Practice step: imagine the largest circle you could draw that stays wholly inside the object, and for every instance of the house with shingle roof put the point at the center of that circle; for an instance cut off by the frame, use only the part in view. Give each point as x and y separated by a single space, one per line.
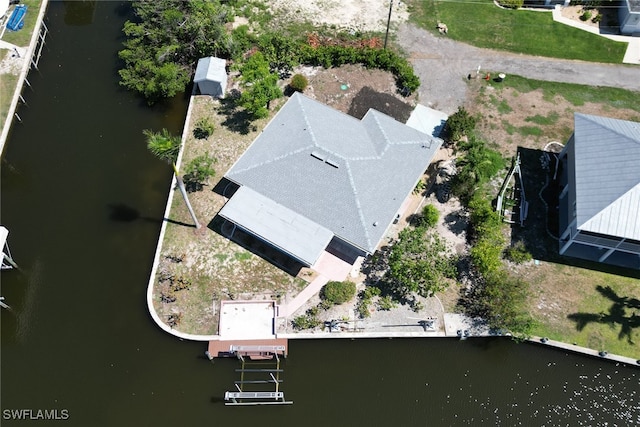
317 179
599 201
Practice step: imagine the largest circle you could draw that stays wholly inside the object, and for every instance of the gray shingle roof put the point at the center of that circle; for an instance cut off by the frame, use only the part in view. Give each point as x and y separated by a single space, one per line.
347 175
607 159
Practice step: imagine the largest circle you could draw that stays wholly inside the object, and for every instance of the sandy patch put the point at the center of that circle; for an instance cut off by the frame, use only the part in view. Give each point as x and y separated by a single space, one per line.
356 15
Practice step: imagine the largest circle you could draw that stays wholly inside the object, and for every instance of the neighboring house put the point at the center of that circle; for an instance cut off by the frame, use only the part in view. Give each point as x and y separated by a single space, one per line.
599 201
211 76
629 16
317 179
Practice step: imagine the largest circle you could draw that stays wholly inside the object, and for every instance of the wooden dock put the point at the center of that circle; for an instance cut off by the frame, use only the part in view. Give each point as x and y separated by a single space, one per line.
253 349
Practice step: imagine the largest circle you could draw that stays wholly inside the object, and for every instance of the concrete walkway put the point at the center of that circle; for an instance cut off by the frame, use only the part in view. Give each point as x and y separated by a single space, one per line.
329 267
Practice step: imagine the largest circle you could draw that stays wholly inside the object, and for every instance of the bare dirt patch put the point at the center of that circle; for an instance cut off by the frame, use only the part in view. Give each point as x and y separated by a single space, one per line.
353 89
355 15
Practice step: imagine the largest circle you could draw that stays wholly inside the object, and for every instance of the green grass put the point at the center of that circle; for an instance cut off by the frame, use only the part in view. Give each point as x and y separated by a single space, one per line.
605 334
7 87
548 120
481 23
501 105
529 131
576 94
22 37
242 256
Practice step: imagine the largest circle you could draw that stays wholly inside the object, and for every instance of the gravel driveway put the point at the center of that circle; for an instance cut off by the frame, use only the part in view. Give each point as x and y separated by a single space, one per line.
443 66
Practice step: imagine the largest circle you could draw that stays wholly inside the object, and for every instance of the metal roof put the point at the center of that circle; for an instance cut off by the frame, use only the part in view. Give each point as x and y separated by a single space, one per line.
211 69
290 232
607 159
347 175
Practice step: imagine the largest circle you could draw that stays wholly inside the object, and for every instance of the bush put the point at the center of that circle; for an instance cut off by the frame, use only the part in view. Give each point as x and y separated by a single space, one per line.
459 124
517 253
511 4
386 303
586 15
430 216
299 83
198 171
338 292
203 128
305 321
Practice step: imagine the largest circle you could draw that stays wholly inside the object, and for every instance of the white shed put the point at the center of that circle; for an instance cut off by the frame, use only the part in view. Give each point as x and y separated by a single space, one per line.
211 76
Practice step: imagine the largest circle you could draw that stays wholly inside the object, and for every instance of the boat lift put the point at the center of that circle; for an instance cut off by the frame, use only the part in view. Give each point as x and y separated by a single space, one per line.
267 371
7 260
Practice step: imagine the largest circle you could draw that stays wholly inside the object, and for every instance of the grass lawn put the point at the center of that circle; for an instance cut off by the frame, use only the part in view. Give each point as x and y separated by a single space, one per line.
481 23
577 95
7 87
606 312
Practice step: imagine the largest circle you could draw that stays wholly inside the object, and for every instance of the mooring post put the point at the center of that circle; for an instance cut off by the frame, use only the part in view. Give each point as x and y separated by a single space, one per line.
10 261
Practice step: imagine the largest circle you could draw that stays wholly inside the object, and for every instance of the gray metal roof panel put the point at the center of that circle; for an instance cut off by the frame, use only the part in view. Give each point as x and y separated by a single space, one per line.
210 68
607 155
277 224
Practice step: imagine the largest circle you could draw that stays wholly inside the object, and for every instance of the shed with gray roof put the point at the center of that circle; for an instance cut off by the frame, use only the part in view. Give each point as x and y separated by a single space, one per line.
316 168
600 191
211 76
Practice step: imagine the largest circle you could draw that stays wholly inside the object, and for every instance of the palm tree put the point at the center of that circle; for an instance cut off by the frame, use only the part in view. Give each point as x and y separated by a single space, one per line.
166 147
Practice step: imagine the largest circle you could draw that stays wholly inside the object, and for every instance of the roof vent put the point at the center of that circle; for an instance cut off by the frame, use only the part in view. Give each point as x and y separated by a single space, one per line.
317 155
375 224
333 163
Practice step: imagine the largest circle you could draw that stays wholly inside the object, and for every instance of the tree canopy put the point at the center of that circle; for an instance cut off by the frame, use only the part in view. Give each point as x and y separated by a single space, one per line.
165 42
261 86
419 262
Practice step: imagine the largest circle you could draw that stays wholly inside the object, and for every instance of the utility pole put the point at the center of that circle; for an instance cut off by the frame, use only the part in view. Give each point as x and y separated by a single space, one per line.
388 23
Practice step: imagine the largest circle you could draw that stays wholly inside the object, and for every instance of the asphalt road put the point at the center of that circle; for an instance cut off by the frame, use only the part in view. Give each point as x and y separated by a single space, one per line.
443 65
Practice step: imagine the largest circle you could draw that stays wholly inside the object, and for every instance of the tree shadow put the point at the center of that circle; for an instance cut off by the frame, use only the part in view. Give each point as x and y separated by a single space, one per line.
236 119
122 213
617 314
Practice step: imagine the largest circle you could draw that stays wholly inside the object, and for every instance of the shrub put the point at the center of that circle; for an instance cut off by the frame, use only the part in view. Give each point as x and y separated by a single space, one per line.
203 129
511 4
305 321
430 216
386 303
338 292
366 296
198 171
517 253
299 83
586 15
459 124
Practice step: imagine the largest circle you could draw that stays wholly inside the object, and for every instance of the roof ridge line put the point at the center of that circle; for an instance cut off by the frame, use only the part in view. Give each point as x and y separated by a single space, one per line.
275 159
357 200
589 117
306 120
609 205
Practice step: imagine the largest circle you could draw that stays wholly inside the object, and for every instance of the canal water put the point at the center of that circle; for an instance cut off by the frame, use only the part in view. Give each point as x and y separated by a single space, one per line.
83 201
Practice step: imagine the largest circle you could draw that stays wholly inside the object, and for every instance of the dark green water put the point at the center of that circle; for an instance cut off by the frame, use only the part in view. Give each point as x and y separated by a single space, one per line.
79 337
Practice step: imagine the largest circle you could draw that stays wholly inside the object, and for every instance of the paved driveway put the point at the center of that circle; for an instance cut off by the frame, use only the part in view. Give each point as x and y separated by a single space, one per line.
443 65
